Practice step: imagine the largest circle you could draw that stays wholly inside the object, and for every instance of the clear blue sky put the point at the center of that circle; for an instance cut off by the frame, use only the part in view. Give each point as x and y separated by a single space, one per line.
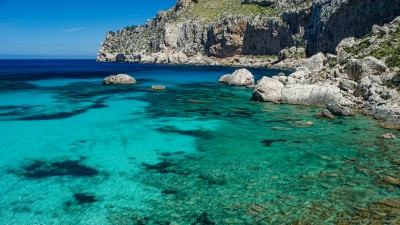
67 29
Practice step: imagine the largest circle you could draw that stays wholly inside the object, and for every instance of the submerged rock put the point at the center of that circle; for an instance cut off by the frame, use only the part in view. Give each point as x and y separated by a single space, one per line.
390 125
119 79
387 136
391 180
304 123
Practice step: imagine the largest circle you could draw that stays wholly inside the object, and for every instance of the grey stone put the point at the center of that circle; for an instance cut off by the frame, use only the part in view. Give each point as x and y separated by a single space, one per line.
339 110
119 79
158 88
326 114
347 85
315 63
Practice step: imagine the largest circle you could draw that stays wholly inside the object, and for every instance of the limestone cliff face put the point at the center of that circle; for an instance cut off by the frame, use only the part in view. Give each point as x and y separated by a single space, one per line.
194 31
333 20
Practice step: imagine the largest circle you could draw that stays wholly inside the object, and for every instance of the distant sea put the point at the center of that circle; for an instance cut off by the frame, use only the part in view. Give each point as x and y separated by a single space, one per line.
74 151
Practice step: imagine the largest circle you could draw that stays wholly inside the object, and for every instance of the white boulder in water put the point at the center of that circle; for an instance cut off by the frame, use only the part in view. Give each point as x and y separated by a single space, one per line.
241 77
119 79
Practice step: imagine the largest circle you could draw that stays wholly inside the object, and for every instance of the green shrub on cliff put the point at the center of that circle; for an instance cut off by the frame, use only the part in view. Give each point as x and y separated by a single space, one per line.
389 50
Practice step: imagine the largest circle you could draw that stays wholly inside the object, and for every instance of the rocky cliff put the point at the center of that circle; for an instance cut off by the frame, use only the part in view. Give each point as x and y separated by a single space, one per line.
215 31
363 75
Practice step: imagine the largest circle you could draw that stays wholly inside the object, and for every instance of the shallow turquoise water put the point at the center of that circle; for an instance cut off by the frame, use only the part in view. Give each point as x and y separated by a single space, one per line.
76 152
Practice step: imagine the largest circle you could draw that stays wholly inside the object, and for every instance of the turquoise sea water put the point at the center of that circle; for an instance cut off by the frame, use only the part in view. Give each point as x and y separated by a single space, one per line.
76 152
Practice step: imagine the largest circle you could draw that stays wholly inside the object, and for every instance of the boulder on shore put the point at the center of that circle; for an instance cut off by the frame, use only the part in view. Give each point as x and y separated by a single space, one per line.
241 77
268 90
225 78
326 114
339 110
119 79
310 94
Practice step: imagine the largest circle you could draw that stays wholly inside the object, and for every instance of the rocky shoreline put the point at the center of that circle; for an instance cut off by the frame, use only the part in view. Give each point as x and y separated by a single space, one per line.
353 66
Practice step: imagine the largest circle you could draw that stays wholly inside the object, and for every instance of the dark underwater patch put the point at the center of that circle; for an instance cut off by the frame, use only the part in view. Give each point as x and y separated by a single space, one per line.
54 116
173 129
41 169
339 122
239 114
203 219
268 142
281 121
12 86
169 192
166 166
84 198
169 154
161 167
63 115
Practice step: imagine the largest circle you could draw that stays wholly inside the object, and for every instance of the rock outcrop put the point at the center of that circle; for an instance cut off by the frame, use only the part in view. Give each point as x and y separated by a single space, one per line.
366 71
273 90
119 79
359 68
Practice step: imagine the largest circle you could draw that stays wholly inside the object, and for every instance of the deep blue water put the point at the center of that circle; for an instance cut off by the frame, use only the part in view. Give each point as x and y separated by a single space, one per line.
74 151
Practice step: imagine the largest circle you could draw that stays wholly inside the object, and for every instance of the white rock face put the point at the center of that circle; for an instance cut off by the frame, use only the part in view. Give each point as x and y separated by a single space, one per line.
268 89
119 79
315 63
241 77
359 68
310 94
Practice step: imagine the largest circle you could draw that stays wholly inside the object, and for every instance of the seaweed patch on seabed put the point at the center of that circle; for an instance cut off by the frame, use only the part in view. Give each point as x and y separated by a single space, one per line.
85 198
63 115
268 143
193 133
166 166
39 169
